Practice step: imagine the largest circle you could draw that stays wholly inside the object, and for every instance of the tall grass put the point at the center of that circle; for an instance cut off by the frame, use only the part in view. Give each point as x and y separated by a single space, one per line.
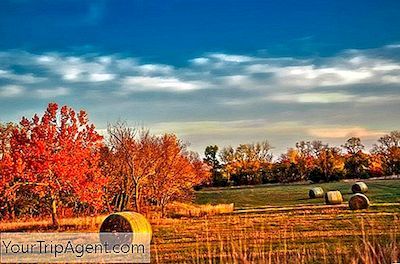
91 223
195 210
367 248
315 235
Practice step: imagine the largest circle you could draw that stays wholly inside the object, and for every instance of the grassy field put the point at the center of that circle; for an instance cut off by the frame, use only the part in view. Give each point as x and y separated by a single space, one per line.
317 235
277 224
380 191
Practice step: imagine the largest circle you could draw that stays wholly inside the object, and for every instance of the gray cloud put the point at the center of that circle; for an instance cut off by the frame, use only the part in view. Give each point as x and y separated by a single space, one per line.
226 98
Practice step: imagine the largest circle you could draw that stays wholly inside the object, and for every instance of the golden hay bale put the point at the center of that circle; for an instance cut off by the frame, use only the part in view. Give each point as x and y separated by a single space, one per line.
358 201
126 222
316 192
359 187
333 197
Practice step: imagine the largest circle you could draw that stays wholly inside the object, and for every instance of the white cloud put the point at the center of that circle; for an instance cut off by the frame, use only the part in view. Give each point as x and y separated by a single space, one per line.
282 79
52 93
393 46
310 76
23 78
331 97
71 74
344 132
11 91
46 59
231 58
318 98
101 77
200 61
147 69
140 83
261 68
222 127
77 69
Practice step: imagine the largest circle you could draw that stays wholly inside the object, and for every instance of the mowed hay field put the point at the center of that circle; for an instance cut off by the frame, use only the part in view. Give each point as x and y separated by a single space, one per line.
273 224
379 191
280 224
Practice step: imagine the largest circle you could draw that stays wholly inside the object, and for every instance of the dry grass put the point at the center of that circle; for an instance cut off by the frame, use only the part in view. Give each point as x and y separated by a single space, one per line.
320 235
77 223
276 224
325 234
368 250
195 210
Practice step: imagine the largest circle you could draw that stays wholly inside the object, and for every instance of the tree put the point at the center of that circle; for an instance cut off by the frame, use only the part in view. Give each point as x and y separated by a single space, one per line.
57 157
176 172
305 154
357 165
7 204
285 169
5 138
151 169
328 165
211 158
376 167
133 160
388 148
310 160
353 145
356 162
247 163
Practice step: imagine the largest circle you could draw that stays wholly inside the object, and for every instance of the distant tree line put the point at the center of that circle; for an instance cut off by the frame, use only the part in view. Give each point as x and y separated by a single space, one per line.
250 164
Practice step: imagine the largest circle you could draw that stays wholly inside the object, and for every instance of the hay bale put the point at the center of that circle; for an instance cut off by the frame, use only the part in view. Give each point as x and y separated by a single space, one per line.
358 201
122 223
359 187
316 192
333 197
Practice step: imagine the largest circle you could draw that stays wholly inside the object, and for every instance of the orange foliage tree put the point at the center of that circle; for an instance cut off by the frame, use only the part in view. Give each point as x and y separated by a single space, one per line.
388 149
248 163
5 164
150 169
356 161
176 172
131 160
57 156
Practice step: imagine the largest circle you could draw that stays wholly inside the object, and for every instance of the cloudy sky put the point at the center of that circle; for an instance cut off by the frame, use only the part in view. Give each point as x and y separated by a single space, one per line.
212 71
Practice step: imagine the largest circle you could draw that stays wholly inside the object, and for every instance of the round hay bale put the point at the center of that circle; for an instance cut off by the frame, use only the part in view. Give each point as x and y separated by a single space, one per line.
333 197
126 226
359 187
358 201
316 192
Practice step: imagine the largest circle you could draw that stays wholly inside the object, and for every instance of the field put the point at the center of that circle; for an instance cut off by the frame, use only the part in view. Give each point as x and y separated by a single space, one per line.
277 224
380 191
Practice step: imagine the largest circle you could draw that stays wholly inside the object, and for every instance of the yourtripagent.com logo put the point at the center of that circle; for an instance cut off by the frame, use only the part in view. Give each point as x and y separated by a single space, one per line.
75 247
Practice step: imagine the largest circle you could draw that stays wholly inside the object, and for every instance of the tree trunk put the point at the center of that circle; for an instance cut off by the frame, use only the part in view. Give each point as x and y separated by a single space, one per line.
162 210
54 213
137 198
11 209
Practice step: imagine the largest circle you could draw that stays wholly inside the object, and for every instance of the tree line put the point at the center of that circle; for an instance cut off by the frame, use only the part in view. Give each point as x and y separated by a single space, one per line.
60 162
250 164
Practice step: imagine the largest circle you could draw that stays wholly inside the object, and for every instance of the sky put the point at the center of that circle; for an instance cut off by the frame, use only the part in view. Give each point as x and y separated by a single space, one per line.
220 72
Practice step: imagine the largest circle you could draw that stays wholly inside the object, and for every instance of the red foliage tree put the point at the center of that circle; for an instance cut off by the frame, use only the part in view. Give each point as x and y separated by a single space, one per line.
56 156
